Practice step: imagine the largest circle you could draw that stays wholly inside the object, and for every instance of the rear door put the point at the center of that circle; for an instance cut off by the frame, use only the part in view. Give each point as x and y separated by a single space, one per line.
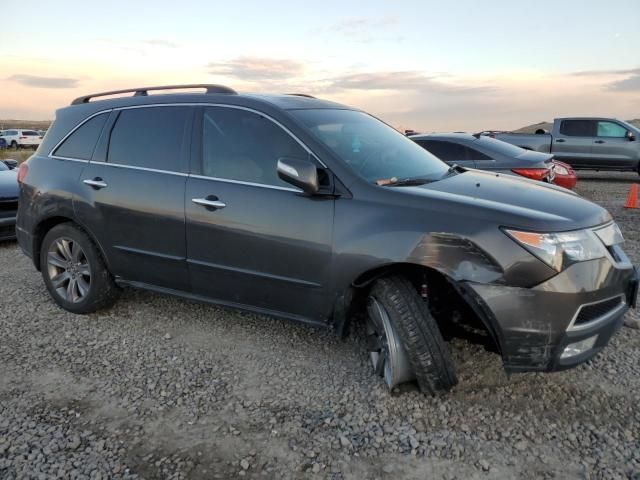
133 194
611 148
252 239
572 144
448 152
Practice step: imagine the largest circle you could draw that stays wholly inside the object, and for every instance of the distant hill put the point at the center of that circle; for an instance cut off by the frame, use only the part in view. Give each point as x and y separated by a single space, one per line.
26 124
548 126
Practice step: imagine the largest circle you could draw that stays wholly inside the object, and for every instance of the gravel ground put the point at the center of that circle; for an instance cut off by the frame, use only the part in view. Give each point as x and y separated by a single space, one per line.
163 388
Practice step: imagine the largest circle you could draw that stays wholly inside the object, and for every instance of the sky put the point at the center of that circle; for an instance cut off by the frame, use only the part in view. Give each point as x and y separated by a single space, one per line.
425 65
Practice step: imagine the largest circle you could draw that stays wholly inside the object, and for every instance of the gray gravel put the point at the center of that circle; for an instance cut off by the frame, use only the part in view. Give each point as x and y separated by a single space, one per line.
163 388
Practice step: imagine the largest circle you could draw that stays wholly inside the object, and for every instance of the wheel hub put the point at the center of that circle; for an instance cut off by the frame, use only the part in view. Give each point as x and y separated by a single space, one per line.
386 352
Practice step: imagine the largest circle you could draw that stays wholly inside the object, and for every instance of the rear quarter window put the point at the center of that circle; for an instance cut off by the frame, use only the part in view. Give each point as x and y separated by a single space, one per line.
81 143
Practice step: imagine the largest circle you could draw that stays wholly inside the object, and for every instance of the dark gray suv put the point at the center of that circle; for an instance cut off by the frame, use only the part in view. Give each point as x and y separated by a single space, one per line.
295 207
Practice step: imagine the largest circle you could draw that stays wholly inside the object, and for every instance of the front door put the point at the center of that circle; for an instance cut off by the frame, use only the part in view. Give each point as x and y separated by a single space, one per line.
133 200
252 239
611 148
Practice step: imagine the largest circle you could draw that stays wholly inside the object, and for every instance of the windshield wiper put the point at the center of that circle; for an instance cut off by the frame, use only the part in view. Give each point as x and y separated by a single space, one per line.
403 182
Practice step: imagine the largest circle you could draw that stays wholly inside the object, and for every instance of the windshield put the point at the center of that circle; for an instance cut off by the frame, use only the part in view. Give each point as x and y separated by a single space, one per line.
631 127
3 166
372 149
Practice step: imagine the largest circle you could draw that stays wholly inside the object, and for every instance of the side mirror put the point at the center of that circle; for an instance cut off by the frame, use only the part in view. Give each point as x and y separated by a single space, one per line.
630 136
300 173
11 163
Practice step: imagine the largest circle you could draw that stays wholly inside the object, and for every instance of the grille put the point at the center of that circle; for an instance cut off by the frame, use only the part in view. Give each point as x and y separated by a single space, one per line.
597 310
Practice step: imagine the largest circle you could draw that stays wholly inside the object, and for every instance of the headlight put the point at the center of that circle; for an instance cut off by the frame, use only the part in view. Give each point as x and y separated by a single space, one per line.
559 250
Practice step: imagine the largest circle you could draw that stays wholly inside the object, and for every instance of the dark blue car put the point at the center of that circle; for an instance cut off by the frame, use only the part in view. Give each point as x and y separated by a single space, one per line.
8 199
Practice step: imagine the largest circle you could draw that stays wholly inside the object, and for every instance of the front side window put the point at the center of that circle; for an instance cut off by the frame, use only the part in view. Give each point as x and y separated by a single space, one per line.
611 130
245 146
577 128
82 141
149 137
374 150
447 151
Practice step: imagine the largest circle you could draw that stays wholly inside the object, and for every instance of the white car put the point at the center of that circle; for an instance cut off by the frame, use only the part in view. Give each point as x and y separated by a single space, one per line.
18 138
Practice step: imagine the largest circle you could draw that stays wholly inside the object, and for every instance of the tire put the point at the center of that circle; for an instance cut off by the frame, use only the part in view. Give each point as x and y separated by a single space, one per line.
74 271
418 332
14 145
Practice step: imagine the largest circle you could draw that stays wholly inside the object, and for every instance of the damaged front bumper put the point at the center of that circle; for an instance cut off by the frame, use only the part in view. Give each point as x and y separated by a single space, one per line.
559 323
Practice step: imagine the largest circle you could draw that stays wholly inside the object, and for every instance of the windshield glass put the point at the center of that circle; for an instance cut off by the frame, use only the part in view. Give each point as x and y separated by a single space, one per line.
372 149
3 166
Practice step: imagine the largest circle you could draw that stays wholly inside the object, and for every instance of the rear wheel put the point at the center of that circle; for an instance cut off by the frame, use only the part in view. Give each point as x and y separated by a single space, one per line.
404 340
14 145
74 272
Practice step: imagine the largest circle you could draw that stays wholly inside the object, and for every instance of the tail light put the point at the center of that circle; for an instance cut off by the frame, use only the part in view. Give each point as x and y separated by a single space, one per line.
22 172
532 173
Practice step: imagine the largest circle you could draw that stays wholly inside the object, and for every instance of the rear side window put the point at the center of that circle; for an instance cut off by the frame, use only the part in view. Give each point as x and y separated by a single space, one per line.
577 128
149 137
30 133
82 141
245 146
447 151
452 152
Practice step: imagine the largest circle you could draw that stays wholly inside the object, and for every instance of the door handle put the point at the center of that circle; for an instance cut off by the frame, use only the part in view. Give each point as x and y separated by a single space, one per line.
208 202
599 141
96 183
560 140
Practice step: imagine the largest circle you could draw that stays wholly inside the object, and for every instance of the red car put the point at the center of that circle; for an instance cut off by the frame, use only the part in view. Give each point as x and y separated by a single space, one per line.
565 175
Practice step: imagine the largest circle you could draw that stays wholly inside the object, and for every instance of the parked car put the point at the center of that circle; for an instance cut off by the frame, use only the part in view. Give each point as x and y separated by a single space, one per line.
17 138
305 209
8 199
586 143
3 143
486 153
565 176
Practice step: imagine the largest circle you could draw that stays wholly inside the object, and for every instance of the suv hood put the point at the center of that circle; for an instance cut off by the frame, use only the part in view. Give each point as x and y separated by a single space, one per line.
514 201
8 184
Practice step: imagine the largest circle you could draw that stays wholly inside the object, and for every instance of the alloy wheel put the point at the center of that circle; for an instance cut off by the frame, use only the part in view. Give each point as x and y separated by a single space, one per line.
386 352
69 270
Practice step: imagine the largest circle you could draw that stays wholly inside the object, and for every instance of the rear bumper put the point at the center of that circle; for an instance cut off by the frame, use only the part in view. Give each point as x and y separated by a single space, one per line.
7 228
534 326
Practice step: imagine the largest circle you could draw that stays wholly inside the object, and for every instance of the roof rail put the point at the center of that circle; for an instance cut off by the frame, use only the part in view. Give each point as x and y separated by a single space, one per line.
144 91
301 95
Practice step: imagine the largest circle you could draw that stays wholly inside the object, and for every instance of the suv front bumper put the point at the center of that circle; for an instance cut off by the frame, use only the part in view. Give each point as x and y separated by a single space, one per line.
534 326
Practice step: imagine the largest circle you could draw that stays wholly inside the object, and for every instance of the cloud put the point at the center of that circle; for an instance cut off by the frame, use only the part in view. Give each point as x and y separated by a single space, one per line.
630 83
401 81
364 29
44 82
257 68
159 42
598 73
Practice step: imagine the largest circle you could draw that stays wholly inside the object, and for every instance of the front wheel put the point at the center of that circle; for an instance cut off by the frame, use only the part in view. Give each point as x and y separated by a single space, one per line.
404 340
74 272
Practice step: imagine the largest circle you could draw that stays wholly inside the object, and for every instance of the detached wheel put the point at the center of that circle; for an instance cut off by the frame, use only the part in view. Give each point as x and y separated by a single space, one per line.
404 340
74 272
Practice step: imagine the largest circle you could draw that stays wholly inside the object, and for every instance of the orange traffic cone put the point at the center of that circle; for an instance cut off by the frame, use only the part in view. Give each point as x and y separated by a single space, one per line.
632 198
